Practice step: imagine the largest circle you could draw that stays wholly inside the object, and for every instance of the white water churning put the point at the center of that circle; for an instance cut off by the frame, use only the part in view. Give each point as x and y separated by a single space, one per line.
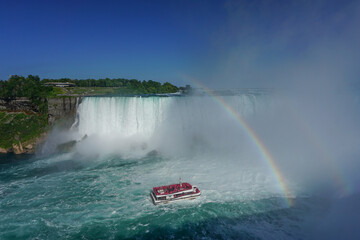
125 116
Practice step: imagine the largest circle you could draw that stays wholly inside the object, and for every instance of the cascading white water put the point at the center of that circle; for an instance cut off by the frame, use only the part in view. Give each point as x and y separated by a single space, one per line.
124 116
128 116
166 124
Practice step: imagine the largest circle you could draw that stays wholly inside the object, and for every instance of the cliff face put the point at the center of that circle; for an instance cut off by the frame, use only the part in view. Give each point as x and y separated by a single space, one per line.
18 105
59 108
20 131
22 127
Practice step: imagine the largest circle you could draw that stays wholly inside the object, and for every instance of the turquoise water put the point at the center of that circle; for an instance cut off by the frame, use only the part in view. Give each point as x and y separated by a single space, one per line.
127 145
70 197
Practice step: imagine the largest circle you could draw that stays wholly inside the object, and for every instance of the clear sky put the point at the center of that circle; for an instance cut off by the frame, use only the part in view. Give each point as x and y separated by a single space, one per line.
219 43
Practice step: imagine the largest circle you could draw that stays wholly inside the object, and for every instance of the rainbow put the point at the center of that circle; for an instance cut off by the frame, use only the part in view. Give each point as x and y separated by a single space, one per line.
255 139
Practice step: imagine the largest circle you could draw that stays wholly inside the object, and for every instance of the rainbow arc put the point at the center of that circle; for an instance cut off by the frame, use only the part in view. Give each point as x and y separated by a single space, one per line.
254 138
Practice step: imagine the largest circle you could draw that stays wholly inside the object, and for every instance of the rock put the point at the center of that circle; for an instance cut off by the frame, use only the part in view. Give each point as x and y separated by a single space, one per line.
18 149
21 147
66 147
60 108
152 153
29 147
3 150
18 104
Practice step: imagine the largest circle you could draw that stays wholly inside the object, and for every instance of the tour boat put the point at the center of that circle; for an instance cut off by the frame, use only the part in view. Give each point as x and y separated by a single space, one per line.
180 191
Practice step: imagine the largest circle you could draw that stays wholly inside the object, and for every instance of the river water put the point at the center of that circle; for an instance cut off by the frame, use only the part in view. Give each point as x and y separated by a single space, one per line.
100 189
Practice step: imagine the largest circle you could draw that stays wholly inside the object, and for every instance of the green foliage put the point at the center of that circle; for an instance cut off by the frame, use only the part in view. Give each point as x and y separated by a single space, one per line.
34 89
56 91
30 87
18 86
15 127
122 85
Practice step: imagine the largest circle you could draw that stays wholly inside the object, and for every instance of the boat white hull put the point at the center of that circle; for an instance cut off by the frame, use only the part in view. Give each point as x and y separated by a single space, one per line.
187 197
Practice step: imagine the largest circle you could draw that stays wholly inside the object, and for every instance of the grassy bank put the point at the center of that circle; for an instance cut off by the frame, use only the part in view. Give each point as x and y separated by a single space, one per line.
98 91
89 90
15 127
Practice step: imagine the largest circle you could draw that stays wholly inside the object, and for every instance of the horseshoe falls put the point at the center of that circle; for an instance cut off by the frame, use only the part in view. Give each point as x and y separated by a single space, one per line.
268 167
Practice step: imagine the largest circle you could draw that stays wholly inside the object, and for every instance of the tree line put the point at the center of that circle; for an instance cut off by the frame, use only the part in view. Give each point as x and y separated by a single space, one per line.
30 87
133 85
33 87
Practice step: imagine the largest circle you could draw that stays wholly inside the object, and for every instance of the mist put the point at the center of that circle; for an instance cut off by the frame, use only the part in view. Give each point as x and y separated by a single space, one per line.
282 44
308 51
309 123
312 138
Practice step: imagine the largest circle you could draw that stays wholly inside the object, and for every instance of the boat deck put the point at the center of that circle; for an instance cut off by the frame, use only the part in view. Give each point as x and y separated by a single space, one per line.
170 189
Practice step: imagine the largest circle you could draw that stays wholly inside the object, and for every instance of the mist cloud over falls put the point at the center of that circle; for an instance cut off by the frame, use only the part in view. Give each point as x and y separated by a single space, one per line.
314 139
313 142
172 126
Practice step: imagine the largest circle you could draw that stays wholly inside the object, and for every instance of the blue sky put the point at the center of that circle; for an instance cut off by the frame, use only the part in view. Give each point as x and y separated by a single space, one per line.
219 43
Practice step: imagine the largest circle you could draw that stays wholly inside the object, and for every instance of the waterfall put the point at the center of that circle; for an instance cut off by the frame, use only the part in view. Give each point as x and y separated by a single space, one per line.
177 124
128 116
76 122
125 116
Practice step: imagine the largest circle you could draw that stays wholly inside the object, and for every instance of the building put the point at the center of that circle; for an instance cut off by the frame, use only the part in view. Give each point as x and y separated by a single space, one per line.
60 84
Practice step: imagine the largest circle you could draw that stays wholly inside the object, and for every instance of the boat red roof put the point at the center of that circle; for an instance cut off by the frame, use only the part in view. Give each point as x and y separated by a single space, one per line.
170 189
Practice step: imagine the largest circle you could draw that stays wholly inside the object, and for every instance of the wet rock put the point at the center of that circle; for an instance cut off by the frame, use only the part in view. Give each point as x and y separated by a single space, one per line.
3 150
60 108
66 147
18 148
152 153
